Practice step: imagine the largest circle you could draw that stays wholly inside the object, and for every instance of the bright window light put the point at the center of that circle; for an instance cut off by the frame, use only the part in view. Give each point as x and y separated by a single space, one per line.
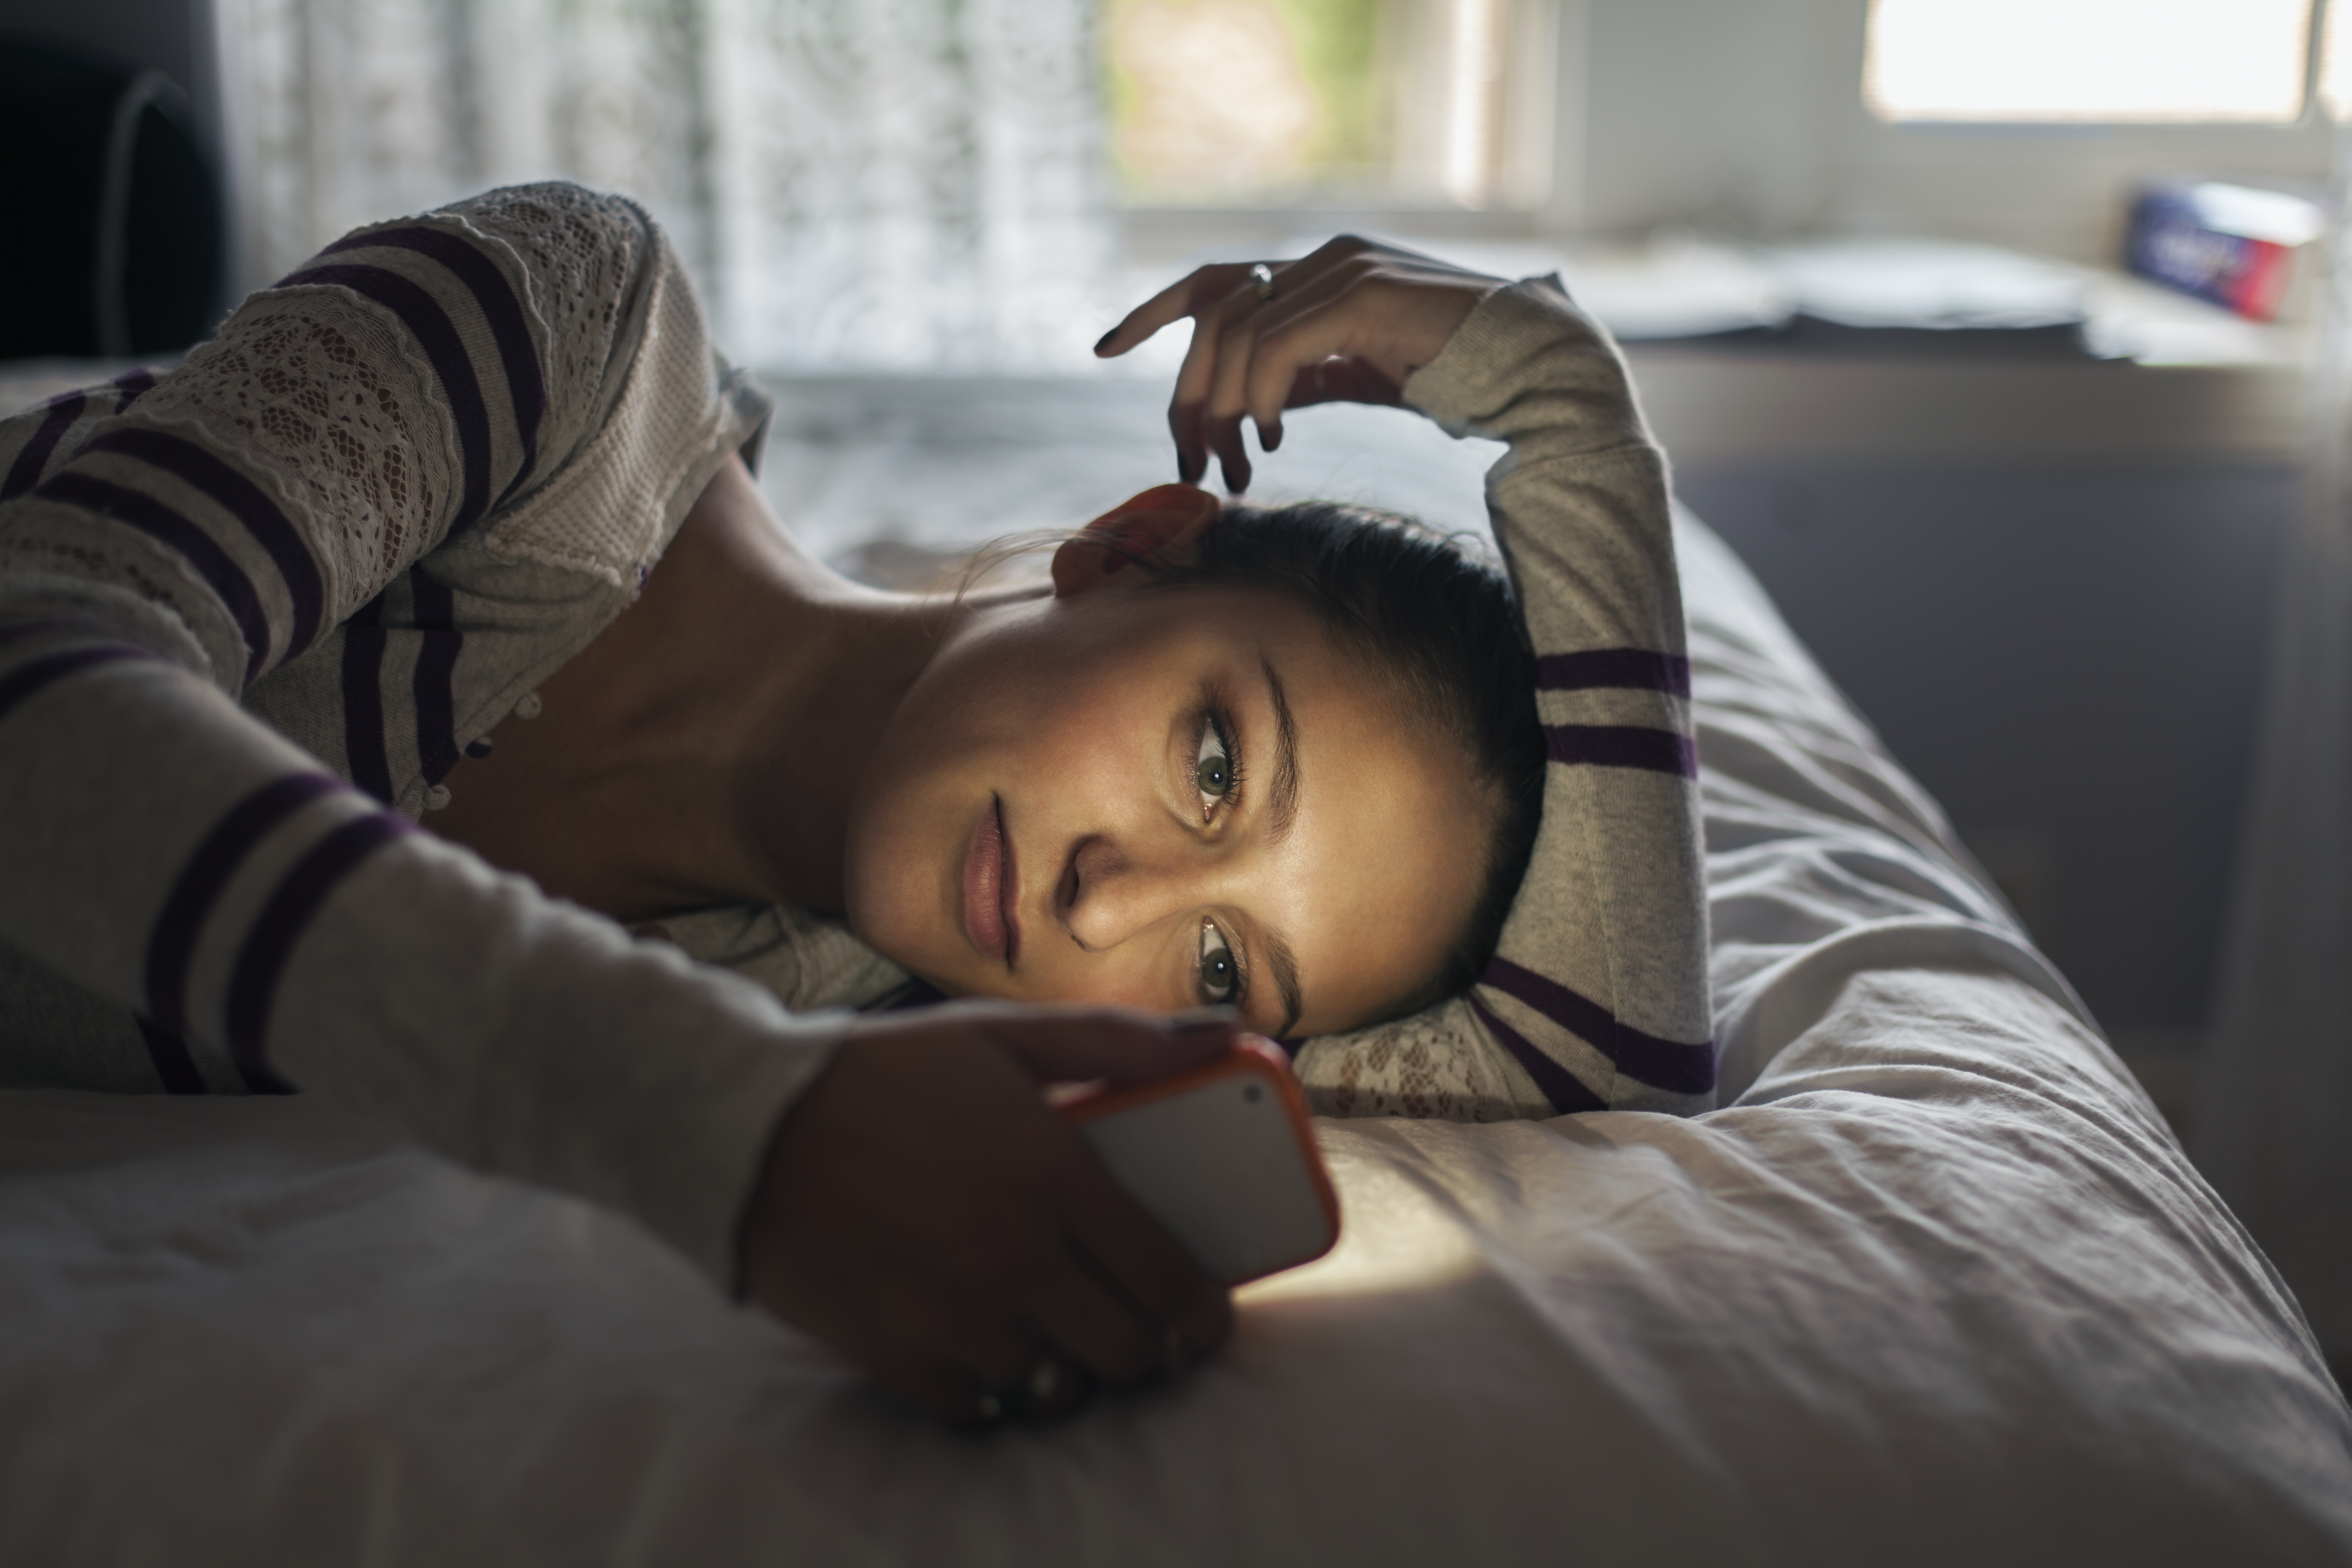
2336 62
1264 102
2044 60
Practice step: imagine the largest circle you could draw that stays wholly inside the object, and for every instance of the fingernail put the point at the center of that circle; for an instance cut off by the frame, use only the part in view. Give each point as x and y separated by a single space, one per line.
1104 342
1202 1021
1271 439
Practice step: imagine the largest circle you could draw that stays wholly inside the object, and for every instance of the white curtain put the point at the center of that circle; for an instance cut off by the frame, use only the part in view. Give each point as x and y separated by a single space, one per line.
856 185
2273 1125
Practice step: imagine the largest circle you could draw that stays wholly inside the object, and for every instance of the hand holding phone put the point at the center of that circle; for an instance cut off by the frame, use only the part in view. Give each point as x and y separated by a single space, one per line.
1223 1157
927 1213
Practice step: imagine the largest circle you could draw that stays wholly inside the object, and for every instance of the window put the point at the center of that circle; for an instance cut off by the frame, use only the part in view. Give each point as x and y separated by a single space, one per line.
2090 60
1369 102
2336 63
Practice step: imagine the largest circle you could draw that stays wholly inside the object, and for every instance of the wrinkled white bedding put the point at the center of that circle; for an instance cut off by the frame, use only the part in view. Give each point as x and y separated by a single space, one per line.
1937 1286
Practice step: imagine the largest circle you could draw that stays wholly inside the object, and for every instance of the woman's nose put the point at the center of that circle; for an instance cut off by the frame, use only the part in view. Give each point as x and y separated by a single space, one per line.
1114 889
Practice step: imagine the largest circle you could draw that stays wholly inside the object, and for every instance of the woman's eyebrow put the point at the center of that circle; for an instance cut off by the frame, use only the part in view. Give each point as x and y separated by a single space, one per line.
1282 801
1282 812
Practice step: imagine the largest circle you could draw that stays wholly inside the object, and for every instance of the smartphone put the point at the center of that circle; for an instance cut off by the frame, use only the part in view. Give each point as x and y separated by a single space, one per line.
1223 1157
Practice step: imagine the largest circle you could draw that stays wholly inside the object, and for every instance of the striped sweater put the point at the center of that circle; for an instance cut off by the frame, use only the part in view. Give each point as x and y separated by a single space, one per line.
253 612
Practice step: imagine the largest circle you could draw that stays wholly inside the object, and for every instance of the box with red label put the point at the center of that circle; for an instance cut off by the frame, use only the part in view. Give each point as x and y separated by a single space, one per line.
2230 243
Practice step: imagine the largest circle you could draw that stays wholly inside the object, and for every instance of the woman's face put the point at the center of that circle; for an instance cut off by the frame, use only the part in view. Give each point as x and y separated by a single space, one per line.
1164 799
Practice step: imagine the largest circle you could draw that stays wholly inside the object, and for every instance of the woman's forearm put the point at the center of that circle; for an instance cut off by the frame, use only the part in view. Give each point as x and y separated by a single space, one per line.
1597 995
1599 985
169 854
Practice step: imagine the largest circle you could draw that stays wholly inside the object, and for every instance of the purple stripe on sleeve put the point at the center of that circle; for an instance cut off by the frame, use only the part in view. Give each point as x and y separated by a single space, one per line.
25 679
242 498
172 943
431 327
436 668
261 961
1566 1091
1621 746
1673 1065
193 545
363 751
1618 668
173 1064
509 325
26 471
133 384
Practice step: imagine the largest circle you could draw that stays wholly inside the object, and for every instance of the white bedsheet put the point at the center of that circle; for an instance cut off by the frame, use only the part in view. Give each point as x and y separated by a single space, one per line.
1937 1286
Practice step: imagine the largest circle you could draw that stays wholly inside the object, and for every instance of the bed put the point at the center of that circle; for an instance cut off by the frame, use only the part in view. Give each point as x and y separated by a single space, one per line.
1935 1284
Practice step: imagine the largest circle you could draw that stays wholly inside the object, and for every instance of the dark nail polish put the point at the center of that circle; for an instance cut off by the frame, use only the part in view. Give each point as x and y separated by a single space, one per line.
1104 342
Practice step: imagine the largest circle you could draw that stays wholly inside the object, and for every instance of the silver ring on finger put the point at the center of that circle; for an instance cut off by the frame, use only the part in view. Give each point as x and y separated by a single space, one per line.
1262 281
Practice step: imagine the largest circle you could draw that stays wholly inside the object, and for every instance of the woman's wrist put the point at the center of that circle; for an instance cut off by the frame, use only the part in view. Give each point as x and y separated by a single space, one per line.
1527 363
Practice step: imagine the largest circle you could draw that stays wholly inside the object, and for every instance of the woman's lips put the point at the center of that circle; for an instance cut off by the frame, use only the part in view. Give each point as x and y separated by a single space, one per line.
989 885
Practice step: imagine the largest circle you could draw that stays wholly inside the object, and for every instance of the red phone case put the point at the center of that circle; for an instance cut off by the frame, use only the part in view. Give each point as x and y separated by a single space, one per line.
1262 1062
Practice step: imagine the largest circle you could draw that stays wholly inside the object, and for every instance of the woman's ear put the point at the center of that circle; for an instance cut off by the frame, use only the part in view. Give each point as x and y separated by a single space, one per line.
1163 523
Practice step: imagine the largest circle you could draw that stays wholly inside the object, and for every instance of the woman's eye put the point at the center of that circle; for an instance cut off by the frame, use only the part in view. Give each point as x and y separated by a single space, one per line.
1212 770
1219 975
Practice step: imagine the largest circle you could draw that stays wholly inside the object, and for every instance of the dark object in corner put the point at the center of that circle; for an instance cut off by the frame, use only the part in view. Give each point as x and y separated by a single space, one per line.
115 227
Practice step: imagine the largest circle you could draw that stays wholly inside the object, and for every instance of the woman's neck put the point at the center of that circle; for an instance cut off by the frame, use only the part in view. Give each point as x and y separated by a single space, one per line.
706 746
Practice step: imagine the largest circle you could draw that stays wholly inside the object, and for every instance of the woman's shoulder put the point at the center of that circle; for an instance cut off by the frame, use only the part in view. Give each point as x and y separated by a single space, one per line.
630 411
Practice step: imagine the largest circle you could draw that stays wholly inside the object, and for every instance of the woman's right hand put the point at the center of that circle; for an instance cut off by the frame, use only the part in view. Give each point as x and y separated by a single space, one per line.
926 1212
1349 324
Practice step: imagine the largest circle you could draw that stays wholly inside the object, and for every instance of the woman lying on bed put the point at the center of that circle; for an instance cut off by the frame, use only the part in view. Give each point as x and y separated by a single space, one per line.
364 559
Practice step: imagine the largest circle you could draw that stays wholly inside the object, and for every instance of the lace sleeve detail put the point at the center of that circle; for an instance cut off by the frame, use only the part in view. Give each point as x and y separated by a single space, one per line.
330 410
1438 1064
585 263
405 384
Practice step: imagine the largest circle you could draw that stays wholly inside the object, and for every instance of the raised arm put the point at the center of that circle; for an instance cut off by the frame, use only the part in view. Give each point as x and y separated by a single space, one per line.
1597 996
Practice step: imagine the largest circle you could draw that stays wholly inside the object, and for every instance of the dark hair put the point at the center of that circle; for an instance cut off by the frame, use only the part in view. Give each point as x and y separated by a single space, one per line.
1433 613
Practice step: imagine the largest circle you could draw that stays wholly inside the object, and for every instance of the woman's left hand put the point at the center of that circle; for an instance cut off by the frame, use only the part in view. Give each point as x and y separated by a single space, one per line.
1349 324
